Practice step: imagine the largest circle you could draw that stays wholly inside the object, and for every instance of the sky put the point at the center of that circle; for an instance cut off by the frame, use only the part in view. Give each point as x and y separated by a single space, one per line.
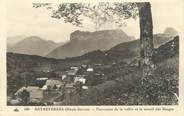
23 19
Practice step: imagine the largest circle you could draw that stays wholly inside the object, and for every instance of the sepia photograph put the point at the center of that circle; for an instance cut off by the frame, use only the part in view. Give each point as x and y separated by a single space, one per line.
92 54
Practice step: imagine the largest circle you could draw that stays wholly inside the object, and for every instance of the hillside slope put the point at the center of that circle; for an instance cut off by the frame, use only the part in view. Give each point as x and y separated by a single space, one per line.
83 42
33 45
123 51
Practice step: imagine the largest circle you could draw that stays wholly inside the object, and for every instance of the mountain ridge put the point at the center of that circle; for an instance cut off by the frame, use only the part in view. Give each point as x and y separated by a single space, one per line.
121 52
82 42
33 45
170 31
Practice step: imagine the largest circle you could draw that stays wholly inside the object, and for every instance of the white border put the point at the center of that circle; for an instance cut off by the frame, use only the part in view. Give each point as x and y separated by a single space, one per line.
8 110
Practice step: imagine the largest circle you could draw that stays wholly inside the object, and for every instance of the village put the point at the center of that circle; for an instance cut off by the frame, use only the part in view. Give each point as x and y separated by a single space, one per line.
58 89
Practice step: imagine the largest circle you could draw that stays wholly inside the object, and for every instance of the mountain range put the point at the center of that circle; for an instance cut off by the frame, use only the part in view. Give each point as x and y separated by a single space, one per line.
81 42
33 45
13 40
84 42
121 52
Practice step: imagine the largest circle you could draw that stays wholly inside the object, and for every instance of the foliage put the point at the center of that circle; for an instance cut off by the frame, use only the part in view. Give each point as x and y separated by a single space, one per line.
100 13
160 89
25 96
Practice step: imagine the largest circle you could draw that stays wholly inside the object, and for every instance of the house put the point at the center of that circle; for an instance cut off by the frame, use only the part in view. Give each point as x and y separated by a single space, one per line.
20 91
54 82
80 79
63 77
70 76
34 92
84 66
74 68
90 70
44 87
98 64
69 85
42 79
84 87
59 86
72 72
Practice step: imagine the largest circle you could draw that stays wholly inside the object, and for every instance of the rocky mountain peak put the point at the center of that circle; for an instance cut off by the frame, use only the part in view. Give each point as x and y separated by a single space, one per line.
171 31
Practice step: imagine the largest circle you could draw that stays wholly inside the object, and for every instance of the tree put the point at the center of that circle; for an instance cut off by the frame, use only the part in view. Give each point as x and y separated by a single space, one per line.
99 13
78 87
115 13
146 38
54 87
25 95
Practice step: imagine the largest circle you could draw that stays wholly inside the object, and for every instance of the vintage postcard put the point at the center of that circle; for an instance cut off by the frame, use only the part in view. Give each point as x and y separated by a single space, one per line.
72 57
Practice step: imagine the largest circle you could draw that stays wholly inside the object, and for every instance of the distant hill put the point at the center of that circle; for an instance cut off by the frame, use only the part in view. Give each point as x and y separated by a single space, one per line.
124 51
33 45
12 40
171 31
131 49
167 50
84 42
